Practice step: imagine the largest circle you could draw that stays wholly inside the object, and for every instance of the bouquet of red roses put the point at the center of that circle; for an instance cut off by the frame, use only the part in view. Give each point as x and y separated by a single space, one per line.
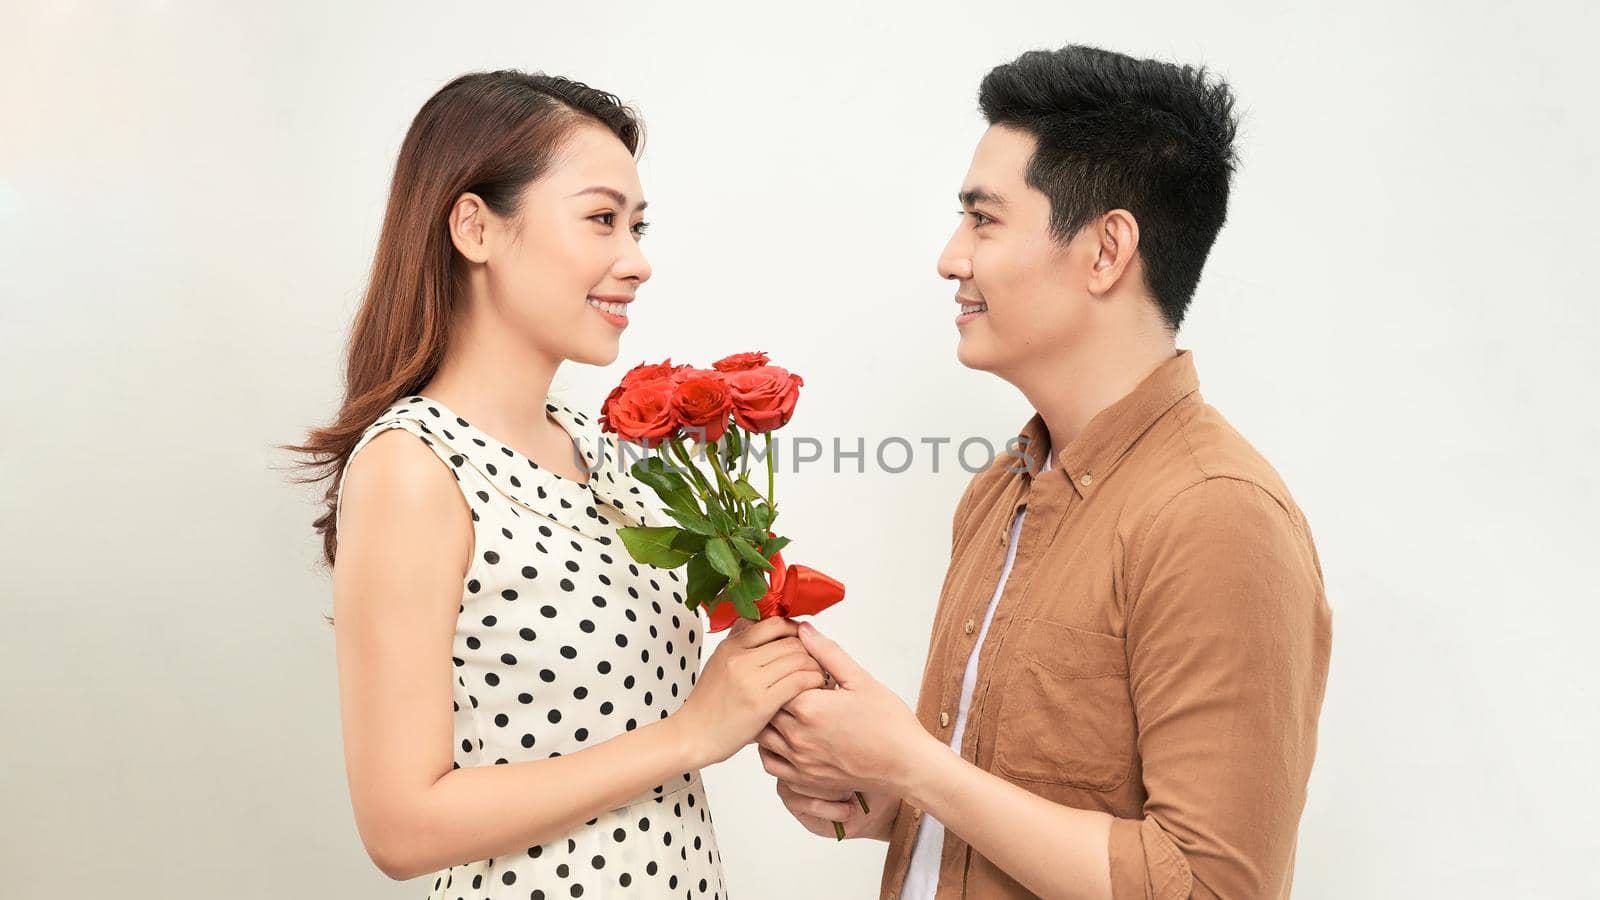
725 532
684 416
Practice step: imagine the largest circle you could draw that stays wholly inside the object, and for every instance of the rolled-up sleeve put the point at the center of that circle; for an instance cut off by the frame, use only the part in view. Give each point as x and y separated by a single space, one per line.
1228 633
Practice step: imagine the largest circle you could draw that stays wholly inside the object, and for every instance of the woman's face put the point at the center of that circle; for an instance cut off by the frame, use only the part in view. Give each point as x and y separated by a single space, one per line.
562 272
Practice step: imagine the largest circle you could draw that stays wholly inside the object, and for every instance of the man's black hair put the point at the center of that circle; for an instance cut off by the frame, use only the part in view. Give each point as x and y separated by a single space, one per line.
1116 132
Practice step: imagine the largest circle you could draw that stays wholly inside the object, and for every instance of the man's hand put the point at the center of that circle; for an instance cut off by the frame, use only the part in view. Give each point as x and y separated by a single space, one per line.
859 736
818 808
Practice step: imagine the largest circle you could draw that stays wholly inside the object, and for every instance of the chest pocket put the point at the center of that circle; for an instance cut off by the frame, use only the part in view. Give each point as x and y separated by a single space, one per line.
1065 714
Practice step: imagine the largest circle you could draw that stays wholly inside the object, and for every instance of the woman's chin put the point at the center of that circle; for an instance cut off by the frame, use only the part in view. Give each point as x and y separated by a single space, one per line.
598 353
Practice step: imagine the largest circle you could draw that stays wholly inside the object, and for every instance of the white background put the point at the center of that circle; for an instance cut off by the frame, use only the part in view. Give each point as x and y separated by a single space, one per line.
1399 314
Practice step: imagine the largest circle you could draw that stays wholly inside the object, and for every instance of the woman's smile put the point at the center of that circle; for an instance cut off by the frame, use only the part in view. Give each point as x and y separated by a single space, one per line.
612 309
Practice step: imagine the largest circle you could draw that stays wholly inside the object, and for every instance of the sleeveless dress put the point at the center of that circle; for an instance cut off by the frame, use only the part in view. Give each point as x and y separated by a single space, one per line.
562 641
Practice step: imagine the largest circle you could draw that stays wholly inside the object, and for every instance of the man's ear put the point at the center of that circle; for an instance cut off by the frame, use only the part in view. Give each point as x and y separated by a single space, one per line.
1116 237
469 220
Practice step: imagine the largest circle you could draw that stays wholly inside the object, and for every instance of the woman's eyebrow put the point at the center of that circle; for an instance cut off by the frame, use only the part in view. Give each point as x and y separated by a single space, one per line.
616 195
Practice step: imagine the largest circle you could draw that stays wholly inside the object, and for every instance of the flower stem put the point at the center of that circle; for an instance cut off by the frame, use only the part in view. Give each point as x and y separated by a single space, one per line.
729 497
695 474
772 502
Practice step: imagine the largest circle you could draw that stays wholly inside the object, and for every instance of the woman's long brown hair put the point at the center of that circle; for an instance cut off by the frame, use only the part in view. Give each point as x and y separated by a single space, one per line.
488 133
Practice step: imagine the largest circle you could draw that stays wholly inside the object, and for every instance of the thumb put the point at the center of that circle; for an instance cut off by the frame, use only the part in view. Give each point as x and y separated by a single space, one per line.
832 657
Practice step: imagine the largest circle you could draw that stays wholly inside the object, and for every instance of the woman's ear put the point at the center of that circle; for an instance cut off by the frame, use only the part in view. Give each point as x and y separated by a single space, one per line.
469 227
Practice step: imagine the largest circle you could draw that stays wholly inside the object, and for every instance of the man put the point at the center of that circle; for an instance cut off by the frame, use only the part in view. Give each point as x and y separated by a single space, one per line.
1131 645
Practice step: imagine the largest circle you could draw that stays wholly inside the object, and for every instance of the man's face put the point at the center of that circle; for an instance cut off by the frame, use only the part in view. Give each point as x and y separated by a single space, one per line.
1023 293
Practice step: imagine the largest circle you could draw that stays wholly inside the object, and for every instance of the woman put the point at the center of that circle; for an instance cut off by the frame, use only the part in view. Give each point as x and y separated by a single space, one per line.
516 694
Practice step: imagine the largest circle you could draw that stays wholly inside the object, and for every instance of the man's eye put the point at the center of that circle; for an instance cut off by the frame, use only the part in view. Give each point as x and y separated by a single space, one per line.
978 218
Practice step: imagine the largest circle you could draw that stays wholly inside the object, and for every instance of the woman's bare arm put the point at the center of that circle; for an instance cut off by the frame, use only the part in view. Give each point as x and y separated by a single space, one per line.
405 541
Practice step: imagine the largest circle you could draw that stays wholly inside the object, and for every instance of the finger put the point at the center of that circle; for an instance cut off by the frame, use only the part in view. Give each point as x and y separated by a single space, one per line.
820 793
791 686
770 739
833 658
767 630
785 723
801 804
789 661
821 828
777 766
777 649
788 683
780 660
816 826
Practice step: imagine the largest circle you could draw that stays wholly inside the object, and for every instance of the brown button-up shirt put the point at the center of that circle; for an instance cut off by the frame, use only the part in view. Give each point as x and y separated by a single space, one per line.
1159 652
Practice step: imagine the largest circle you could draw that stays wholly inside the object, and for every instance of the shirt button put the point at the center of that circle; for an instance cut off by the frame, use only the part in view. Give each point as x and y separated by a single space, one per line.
968 627
944 719
1086 480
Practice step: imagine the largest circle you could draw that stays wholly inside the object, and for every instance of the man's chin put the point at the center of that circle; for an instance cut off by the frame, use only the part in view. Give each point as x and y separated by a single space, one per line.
971 352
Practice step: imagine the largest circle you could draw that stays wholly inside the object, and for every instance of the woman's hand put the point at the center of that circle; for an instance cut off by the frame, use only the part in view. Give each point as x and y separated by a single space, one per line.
758 668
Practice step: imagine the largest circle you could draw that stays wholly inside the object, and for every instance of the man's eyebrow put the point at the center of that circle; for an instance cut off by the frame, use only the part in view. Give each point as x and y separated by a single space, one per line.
974 196
616 195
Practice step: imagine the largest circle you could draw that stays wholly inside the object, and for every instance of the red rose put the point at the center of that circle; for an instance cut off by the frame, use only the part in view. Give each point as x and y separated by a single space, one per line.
642 413
703 403
605 408
763 397
649 372
740 362
640 374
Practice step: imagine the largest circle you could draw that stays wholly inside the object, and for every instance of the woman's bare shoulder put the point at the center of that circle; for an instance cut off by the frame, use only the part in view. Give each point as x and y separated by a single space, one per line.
397 492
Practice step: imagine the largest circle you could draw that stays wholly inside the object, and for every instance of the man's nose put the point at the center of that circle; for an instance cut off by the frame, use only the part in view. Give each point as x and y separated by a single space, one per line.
955 261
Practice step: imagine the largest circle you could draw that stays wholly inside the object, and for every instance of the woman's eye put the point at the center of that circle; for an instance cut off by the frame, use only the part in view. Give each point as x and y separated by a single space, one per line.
606 217
640 228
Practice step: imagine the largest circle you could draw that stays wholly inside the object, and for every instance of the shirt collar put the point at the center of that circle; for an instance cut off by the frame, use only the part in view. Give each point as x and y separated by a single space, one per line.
608 498
1089 459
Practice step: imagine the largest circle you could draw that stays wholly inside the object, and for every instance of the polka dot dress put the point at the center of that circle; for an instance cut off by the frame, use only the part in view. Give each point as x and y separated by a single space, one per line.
562 642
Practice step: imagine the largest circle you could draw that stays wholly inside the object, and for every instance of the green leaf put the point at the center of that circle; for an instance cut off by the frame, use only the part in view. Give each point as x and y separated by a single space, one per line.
761 518
773 545
689 542
654 471
750 588
722 558
751 554
681 500
744 491
731 446
751 534
713 505
704 582
747 608
723 522
654 546
692 521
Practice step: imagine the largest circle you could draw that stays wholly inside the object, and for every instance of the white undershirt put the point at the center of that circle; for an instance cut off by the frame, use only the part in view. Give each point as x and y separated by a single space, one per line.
922 879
